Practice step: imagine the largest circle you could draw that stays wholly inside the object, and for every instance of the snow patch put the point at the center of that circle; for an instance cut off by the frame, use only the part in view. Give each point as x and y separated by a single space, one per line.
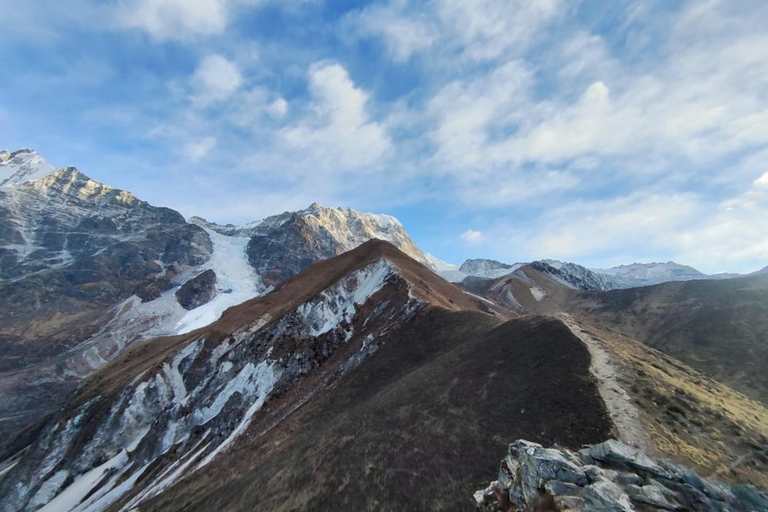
236 281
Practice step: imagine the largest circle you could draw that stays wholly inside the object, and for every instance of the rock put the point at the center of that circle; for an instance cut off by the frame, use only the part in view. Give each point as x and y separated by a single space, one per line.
608 477
606 496
621 456
199 290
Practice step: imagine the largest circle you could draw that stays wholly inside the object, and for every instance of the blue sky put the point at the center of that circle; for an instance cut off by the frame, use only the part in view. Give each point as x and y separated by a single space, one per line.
591 131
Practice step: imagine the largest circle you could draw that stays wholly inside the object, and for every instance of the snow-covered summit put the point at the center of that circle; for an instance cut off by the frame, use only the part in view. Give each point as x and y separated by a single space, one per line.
645 274
326 230
22 165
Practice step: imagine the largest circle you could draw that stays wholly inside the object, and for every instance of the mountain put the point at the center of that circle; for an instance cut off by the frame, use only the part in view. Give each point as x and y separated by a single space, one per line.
20 166
719 327
575 276
88 270
581 278
282 245
644 274
439 265
324 366
475 269
73 251
363 382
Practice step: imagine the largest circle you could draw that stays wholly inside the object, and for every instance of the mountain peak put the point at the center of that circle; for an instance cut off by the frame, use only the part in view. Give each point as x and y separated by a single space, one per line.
22 165
68 182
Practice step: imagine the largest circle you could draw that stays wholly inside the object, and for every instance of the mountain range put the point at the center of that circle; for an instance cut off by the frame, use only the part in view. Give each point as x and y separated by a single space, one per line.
317 360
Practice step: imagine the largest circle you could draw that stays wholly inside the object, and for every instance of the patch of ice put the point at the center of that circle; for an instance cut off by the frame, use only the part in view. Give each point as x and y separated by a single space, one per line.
234 274
74 494
265 378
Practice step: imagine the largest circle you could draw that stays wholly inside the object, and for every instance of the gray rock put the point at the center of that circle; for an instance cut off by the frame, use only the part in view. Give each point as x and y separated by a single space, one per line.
609 477
198 291
606 496
622 456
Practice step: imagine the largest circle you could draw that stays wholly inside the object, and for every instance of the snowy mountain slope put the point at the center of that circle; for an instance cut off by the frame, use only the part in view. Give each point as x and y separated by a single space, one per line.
74 253
284 244
644 274
168 408
439 265
581 278
22 165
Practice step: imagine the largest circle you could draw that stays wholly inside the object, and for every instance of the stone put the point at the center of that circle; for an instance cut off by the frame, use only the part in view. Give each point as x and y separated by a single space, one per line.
606 496
198 291
622 456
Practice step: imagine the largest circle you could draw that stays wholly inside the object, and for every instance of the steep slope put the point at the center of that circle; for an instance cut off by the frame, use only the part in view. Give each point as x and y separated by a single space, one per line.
719 327
282 245
73 250
575 276
310 387
22 165
528 289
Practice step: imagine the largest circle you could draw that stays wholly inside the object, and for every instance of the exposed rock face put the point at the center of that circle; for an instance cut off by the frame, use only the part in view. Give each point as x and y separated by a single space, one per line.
575 276
71 251
197 291
609 477
285 244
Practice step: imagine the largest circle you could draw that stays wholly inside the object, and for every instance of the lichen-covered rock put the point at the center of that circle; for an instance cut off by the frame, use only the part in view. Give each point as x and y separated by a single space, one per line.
608 477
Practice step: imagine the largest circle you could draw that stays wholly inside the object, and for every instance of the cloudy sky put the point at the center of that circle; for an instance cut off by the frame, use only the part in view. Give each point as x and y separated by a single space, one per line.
592 131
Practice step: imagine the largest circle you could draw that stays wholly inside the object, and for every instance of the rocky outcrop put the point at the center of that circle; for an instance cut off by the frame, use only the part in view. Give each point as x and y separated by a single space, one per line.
608 477
199 290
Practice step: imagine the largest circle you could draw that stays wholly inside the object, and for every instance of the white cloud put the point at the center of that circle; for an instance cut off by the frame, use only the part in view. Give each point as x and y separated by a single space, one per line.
338 133
278 108
175 19
472 237
403 30
479 30
215 79
194 151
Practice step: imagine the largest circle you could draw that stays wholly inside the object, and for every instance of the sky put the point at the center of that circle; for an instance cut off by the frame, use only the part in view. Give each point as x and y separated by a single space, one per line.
583 130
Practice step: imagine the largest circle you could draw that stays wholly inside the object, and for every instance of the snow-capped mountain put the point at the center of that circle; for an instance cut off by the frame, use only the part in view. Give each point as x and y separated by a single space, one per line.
282 245
645 274
166 411
575 276
582 278
88 270
22 165
79 258
439 265
479 268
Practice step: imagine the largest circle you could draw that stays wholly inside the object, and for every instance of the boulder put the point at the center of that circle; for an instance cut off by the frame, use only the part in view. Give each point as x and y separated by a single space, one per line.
199 290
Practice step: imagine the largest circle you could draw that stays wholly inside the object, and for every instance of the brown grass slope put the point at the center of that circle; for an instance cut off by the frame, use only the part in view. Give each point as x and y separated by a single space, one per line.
688 416
417 426
718 327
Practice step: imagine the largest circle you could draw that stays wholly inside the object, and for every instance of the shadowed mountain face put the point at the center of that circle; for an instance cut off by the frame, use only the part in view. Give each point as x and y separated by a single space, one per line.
717 327
364 381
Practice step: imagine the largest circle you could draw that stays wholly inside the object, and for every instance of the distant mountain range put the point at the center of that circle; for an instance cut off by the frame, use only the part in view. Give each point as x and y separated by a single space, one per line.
579 277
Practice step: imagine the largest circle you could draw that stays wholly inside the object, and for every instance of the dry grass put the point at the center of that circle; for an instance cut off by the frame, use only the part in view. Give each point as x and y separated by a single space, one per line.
690 417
